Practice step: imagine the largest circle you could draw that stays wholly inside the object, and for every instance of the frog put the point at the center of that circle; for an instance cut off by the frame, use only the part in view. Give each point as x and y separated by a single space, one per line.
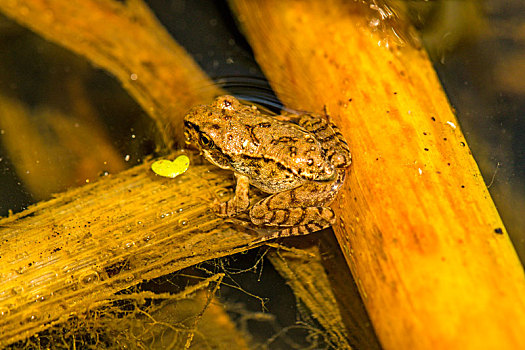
298 159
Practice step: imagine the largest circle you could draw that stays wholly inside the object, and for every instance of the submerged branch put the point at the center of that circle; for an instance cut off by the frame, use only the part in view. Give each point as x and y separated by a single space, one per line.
63 256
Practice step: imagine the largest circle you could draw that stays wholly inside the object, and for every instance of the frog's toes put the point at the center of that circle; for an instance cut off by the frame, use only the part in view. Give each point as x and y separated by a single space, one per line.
220 209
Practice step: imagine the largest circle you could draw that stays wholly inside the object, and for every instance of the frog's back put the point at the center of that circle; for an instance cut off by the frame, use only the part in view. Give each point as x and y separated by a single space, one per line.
273 154
291 147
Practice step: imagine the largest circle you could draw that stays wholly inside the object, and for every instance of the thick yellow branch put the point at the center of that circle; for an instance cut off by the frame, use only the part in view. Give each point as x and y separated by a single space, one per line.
417 225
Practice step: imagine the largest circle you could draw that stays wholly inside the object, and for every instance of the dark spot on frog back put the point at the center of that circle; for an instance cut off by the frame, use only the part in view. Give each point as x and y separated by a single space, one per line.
225 114
284 139
264 125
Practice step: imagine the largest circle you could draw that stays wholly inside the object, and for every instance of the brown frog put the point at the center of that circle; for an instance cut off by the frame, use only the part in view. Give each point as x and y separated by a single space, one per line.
299 159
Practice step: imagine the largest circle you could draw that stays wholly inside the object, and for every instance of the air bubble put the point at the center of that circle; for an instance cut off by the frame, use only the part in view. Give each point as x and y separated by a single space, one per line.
165 215
129 245
130 278
221 192
148 237
89 277
183 222
39 298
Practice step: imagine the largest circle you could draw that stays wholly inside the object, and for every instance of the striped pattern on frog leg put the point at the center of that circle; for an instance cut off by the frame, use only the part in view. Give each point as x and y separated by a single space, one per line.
296 207
331 139
316 217
296 212
289 232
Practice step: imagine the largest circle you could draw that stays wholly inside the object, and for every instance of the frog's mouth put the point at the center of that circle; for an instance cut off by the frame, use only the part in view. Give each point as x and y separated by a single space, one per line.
217 158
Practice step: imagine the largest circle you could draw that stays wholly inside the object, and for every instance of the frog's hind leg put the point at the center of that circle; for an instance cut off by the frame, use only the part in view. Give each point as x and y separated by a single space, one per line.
317 217
306 205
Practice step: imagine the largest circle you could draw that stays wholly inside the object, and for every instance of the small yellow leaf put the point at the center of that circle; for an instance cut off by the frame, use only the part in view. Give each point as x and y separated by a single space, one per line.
168 168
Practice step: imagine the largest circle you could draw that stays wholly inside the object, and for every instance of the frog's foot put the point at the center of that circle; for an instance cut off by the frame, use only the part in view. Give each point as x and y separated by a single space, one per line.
240 201
315 217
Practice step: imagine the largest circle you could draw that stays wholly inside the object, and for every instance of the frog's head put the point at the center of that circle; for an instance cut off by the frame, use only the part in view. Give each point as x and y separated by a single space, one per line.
197 135
205 126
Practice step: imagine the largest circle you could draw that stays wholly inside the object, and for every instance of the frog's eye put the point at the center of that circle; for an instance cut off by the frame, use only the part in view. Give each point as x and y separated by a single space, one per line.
205 140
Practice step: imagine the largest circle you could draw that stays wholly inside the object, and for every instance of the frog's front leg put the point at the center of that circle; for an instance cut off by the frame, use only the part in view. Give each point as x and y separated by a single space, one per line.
240 201
304 208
